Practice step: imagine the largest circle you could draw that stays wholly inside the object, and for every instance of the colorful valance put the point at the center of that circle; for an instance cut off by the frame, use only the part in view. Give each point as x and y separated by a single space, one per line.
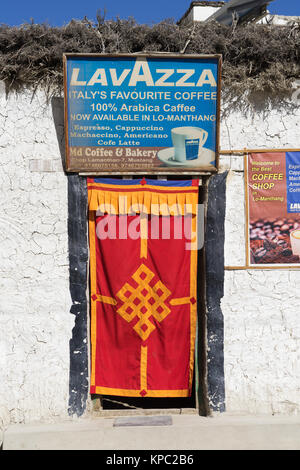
143 288
148 196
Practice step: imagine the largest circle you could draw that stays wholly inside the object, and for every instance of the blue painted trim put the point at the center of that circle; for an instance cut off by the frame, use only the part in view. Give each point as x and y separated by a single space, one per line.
179 183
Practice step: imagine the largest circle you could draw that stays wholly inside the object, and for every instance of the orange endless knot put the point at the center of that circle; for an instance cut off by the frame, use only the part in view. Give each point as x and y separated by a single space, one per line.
143 301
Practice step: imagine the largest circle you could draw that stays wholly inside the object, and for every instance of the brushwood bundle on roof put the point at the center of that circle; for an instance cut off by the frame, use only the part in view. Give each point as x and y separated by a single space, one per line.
256 57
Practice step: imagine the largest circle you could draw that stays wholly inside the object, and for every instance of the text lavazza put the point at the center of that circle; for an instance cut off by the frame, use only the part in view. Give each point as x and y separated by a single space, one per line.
141 73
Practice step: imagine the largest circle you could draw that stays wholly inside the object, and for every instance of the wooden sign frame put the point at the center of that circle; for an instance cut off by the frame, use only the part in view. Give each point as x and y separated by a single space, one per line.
163 170
248 266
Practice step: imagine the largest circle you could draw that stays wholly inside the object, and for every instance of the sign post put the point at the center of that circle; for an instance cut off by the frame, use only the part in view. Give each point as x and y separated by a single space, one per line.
150 113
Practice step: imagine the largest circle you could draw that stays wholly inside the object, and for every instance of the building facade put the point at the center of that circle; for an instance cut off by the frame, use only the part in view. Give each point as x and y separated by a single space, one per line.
250 339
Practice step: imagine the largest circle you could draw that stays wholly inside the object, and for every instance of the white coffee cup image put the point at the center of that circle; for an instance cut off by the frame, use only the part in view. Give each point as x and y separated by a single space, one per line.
188 143
295 242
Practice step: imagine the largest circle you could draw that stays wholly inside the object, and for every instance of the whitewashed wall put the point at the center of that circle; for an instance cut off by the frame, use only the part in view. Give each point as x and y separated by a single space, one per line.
260 308
199 13
35 323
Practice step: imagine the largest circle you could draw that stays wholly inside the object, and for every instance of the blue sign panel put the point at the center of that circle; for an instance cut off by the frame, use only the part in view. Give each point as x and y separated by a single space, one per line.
139 113
293 181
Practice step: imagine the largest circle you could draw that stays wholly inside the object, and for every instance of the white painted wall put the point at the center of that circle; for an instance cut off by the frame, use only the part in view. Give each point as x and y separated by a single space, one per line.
201 13
279 20
260 308
35 323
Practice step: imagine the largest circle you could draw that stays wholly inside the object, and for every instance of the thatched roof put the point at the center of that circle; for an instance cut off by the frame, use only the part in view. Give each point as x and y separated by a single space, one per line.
256 57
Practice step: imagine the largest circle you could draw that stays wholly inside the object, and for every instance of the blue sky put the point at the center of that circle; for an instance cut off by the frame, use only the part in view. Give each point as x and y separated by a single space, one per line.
58 12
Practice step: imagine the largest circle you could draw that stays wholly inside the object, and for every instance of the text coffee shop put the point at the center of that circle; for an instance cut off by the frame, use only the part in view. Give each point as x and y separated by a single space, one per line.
143 156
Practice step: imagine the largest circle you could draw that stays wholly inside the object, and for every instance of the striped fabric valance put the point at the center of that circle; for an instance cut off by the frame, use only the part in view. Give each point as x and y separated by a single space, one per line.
143 196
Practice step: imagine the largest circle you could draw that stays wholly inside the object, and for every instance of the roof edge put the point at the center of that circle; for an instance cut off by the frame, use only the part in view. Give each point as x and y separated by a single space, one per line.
201 4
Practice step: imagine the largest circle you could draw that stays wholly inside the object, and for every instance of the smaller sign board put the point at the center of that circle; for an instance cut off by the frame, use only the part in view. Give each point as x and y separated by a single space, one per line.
153 113
273 202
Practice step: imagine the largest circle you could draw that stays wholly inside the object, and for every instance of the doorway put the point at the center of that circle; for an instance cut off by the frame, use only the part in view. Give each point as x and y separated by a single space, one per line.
108 405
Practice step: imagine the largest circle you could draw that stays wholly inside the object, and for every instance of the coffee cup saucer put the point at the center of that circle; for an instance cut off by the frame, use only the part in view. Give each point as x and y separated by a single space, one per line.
207 158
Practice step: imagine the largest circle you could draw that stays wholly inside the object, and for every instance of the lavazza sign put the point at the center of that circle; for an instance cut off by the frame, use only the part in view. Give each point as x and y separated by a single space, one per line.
154 113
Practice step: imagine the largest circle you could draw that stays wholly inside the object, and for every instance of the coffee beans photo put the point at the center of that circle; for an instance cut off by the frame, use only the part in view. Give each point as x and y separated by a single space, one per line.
270 241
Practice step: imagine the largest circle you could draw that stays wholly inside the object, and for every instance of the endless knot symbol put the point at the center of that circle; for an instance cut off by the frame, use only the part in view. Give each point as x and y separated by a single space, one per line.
143 301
